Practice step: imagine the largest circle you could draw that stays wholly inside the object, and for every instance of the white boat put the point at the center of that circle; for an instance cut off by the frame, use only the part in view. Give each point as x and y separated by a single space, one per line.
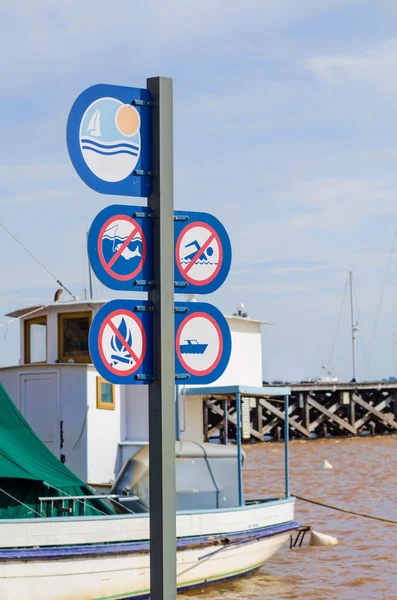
100 558
106 556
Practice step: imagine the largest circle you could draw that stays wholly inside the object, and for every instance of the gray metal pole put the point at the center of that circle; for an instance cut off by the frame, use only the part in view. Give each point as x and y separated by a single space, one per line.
239 454
162 391
89 275
286 444
177 422
352 324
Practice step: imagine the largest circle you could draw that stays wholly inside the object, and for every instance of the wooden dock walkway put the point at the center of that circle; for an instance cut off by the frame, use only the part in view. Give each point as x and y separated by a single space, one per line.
315 410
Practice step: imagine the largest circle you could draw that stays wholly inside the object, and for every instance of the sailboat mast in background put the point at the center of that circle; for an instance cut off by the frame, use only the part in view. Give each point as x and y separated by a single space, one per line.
354 325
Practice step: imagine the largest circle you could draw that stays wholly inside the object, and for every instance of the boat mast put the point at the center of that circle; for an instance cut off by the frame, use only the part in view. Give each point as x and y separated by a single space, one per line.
352 323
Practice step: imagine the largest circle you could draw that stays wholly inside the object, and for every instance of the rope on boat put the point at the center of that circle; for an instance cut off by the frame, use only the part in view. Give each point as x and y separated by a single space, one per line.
37 260
21 503
345 510
32 312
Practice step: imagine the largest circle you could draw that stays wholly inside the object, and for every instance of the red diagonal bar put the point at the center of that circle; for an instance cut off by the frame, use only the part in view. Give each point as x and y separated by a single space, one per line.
121 249
199 253
122 340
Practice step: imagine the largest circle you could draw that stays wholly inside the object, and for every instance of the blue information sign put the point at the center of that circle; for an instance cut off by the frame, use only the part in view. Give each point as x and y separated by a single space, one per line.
203 253
121 342
203 342
120 247
109 138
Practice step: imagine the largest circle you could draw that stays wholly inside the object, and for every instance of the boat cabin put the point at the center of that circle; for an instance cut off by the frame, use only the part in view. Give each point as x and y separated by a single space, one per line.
93 426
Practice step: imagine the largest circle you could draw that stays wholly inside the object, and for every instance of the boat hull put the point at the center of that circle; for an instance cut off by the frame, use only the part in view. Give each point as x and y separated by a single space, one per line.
121 570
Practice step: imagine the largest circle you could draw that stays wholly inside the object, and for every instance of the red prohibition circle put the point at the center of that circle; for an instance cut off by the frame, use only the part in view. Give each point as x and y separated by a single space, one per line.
213 234
105 265
178 340
105 361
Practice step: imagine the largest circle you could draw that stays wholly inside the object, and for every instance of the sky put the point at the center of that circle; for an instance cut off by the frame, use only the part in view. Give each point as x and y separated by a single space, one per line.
284 129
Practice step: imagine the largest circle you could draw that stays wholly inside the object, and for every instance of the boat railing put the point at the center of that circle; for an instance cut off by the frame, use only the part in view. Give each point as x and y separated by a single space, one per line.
57 506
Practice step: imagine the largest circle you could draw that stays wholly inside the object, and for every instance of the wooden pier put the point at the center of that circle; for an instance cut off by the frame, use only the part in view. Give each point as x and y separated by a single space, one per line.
315 410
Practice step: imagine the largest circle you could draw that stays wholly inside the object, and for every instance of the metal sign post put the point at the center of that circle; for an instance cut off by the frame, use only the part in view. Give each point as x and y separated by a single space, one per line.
161 391
120 141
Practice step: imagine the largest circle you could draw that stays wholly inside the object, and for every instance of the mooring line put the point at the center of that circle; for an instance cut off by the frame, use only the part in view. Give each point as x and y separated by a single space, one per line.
345 510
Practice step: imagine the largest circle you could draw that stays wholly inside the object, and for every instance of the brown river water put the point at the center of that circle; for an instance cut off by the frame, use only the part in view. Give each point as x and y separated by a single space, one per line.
364 563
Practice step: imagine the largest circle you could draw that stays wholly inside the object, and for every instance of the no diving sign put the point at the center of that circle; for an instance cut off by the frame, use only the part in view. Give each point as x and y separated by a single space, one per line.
202 343
202 252
120 248
118 340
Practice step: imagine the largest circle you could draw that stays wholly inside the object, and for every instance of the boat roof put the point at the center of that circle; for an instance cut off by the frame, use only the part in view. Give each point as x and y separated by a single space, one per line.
22 312
243 390
247 319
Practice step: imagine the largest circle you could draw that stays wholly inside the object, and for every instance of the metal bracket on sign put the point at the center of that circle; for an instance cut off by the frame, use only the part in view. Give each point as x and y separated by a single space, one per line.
181 309
144 308
142 215
144 173
180 284
181 218
181 376
143 377
143 282
142 103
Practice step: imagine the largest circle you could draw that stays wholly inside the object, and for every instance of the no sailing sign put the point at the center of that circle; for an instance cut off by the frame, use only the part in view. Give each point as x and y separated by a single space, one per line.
120 243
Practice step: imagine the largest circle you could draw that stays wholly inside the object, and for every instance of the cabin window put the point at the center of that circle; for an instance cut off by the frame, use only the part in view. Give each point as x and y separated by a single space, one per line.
73 331
36 340
104 394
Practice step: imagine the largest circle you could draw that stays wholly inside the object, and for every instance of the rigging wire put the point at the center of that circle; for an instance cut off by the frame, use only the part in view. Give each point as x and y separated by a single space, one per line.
37 260
375 327
338 323
394 338
31 312
21 503
363 343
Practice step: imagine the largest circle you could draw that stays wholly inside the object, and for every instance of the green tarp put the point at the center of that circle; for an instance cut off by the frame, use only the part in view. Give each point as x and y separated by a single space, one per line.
29 470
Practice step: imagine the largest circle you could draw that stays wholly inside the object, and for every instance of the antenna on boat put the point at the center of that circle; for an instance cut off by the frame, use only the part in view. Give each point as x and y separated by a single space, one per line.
354 325
240 311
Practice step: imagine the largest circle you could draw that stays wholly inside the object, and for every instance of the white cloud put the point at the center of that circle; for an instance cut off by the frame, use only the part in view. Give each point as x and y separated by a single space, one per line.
99 37
376 65
320 220
341 205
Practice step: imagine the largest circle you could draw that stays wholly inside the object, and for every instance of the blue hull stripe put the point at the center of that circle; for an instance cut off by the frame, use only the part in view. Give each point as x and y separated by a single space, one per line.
186 543
196 586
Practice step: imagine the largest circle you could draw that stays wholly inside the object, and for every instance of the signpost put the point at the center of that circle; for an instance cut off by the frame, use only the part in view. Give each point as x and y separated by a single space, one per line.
161 392
120 141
